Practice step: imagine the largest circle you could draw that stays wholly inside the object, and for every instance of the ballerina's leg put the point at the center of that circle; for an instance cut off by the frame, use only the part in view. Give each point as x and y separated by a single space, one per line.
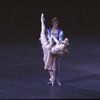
58 71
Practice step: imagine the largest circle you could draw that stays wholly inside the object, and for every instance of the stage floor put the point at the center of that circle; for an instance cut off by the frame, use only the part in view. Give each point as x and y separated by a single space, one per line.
22 75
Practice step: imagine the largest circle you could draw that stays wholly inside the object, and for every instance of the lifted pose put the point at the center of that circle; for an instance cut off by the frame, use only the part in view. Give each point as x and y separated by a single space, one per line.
51 51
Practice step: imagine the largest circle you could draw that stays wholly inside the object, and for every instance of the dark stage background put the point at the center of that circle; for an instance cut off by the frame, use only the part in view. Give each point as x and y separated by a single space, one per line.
20 19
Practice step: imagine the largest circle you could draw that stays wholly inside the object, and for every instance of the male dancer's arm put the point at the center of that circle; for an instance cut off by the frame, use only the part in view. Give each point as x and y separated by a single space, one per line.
61 35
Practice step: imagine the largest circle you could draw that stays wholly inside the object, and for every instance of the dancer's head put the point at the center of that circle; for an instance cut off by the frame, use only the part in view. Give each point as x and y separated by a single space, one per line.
55 22
65 41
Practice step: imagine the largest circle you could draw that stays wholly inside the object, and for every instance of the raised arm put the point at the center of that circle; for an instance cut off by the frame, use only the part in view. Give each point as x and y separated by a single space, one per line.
53 38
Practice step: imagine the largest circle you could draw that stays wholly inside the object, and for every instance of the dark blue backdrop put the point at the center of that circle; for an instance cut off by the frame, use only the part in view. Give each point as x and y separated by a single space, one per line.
20 19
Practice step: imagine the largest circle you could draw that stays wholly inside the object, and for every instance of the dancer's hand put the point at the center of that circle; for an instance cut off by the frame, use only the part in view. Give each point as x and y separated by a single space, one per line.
42 17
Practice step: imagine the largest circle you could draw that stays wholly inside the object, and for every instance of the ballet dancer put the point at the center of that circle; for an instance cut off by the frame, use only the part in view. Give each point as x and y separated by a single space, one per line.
51 51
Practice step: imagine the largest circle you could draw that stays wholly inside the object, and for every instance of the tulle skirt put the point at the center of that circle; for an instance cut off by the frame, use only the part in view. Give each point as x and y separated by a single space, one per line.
48 58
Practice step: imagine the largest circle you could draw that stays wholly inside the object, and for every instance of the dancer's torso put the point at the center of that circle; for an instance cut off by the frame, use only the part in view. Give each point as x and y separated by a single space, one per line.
56 48
56 35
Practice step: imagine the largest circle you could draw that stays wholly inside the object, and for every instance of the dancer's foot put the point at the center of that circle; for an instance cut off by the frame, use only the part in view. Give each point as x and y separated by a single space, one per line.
52 81
58 82
42 17
49 83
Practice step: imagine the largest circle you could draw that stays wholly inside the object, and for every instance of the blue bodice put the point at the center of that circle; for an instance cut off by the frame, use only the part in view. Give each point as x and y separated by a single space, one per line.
58 36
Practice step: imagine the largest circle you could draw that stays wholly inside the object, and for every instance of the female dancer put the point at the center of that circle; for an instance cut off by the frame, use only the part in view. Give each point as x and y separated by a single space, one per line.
51 51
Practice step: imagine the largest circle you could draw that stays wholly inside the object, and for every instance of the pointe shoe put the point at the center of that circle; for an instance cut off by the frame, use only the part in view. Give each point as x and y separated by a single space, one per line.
52 81
42 17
